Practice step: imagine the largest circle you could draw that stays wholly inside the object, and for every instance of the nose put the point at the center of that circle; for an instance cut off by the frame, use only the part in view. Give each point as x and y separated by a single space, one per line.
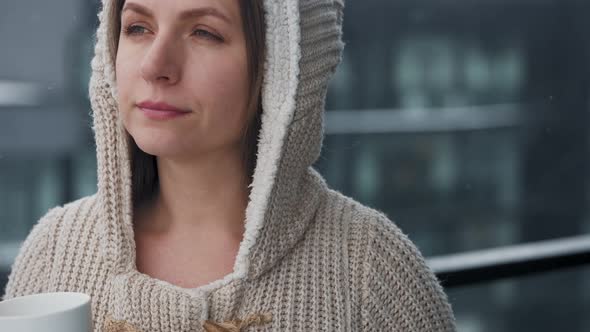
161 63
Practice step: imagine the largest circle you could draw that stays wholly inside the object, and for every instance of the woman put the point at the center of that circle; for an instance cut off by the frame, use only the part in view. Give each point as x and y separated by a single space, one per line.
208 216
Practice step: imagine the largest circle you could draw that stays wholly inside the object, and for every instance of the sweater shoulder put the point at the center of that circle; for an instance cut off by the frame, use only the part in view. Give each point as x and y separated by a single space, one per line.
28 273
369 227
65 219
359 217
394 287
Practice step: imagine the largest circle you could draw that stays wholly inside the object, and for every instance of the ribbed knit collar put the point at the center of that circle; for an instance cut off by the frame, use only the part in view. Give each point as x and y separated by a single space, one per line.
303 39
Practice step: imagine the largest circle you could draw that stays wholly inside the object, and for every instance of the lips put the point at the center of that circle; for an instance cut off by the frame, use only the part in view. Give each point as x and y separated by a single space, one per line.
160 110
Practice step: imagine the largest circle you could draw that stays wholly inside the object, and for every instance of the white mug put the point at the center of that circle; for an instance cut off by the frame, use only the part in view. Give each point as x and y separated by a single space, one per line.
48 312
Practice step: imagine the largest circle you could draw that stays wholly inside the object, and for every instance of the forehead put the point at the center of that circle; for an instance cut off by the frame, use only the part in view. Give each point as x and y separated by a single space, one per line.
226 10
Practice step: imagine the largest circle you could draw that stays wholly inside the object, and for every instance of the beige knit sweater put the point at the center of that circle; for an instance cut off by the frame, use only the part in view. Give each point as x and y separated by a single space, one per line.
311 259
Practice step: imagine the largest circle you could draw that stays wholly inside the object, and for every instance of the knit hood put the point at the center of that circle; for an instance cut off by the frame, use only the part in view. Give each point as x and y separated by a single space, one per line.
303 48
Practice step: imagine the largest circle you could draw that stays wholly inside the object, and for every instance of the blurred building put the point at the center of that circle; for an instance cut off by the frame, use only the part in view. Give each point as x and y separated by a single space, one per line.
465 121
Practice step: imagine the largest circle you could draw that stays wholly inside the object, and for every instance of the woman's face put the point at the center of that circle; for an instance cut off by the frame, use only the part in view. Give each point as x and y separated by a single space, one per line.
189 56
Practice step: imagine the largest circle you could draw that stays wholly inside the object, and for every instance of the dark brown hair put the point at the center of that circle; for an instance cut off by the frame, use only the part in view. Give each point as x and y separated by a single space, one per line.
143 165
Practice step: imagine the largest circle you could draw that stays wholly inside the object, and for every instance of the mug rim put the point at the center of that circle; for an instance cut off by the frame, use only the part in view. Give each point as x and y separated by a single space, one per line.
85 298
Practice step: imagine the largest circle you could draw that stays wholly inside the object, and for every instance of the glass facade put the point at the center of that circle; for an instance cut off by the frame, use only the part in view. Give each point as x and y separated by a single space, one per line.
481 107
465 121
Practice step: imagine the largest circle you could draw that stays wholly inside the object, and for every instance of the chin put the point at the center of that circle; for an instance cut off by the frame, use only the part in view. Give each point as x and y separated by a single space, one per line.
160 145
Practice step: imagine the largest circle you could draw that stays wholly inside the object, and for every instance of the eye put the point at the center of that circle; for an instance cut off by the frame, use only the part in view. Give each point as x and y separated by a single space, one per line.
206 34
135 30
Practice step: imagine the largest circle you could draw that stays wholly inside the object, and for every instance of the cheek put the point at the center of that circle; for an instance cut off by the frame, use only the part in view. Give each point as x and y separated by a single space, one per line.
124 69
226 88
229 79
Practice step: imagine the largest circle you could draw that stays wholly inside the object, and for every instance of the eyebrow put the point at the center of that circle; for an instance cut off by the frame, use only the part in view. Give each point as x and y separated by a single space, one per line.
187 14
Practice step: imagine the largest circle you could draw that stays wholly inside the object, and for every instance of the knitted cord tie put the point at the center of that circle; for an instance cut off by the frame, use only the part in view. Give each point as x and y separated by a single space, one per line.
112 325
238 324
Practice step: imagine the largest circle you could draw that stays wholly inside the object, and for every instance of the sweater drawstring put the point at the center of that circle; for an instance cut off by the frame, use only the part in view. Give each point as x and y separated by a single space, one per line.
112 325
238 324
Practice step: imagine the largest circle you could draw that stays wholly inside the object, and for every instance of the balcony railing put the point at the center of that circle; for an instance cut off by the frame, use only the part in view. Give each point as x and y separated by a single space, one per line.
481 266
510 262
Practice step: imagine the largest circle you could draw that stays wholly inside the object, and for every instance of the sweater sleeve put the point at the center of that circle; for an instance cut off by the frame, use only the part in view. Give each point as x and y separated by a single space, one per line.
399 291
29 272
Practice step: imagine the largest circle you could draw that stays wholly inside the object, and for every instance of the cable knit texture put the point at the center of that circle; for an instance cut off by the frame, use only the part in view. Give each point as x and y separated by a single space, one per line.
311 259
